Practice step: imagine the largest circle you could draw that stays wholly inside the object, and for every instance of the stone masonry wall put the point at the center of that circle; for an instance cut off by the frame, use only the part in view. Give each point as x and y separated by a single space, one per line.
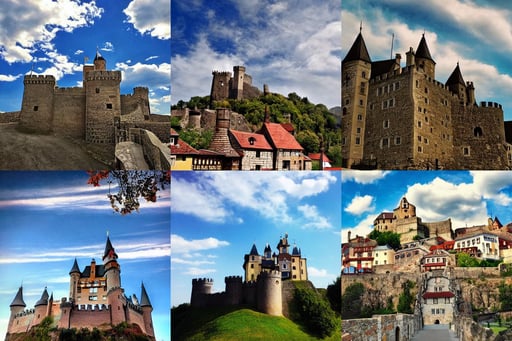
69 112
380 327
89 318
10 117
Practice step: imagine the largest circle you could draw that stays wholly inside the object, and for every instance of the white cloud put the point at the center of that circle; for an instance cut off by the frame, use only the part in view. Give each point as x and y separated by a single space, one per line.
150 17
33 23
491 184
314 272
107 46
190 262
313 217
180 245
198 271
9 78
150 57
363 177
78 52
360 205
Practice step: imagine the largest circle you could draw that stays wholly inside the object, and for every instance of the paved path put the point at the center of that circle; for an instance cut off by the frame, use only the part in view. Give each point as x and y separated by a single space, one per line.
435 334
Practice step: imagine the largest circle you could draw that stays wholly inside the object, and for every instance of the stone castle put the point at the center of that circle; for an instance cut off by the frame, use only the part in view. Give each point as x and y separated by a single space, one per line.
396 117
96 299
238 85
263 285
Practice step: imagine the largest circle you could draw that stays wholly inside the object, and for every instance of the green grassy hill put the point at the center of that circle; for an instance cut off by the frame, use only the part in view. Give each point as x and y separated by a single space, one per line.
231 324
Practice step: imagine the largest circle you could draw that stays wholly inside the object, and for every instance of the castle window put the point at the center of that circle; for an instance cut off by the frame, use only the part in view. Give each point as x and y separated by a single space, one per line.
252 266
465 151
343 141
398 140
477 132
360 117
109 105
385 124
420 149
362 88
419 124
426 90
363 74
344 111
347 101
97 90
384 142
397 85
419 138
361 102
36 108
358 130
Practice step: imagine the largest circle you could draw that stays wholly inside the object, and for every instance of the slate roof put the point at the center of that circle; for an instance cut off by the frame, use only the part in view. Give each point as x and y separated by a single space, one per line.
244 140
254 250
99 271
144 298
422 51
382 66
456 77
108 248
279 137
44 299
75 268
18 300
358 51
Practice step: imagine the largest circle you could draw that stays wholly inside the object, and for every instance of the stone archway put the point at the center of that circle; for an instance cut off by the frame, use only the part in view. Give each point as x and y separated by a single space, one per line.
437 322
397 334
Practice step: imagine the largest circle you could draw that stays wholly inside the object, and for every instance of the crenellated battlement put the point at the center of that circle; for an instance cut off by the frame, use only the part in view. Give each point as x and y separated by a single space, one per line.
202 281
103 75
25 312
270 274
221 73
484 104
232 279
39 79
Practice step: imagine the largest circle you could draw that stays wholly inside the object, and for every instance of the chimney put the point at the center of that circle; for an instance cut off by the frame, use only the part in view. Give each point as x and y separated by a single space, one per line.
410 57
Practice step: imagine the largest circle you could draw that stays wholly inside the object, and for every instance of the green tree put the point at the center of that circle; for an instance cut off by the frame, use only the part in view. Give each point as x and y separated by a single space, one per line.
309 141
315 312
334 295
386 238
465 260
406 299
505 295
42 331
351 301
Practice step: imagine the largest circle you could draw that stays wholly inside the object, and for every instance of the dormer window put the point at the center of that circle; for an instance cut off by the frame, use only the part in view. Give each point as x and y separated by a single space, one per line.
251 140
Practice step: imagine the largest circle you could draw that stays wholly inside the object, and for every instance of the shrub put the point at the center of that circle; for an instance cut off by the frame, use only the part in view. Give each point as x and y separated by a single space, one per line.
315 313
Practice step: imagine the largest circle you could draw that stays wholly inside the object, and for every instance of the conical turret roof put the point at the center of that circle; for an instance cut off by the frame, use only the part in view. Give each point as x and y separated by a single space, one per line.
144 298
455 77
75 268
109 249
422 51
254 250
44 298
18 300
358 51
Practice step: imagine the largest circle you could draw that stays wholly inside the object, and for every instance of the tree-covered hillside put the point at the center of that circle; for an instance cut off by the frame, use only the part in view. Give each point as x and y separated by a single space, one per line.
314 124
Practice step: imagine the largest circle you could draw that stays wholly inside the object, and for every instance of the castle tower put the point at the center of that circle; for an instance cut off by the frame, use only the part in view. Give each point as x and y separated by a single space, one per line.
112 267
233 290
200 288
269 300
237 85
102 102
299 268
37 104
424 60
41 308
457 85
147 308
74 275
356 70
405 210
220 86
252 264
17 306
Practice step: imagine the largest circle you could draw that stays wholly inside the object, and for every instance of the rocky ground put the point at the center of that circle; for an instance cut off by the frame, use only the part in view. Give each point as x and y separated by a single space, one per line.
21 151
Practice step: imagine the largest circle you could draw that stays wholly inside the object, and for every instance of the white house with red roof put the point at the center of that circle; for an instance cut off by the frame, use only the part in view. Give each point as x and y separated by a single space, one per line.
438 301
256 152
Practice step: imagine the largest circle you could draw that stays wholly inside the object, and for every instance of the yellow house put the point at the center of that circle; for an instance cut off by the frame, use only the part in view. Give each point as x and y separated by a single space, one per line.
183 154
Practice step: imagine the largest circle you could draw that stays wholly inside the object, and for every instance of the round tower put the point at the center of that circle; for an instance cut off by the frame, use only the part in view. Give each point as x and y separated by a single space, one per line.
17 306
200 287
194 119
112 267
269 297
41 308
233 290
74 277
37 104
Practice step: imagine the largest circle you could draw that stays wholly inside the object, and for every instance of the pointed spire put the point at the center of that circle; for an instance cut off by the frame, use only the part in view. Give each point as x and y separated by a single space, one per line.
75 268
358 51
44 298
456 77
109 249
422 51
254 251
144 298
18 300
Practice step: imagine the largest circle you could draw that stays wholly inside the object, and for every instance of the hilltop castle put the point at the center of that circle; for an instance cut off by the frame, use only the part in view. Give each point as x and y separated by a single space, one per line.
236 86
263 285
96 299
398 117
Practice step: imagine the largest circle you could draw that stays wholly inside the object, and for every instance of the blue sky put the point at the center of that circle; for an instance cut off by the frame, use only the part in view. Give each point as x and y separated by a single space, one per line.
217 216
475 33
54 37
468 198
291 45
49 218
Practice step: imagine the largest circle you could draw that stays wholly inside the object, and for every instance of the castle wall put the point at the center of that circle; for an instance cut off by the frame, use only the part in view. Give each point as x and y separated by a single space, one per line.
381 327
480 137
135 316
37 104
89 318
69 112
220 86
160 129
442 229
10 117
135 107
21 322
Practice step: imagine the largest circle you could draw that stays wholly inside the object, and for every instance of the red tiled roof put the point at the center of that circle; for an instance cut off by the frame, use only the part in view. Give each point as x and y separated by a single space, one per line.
244 140
316 156
183 148
385 215
280 138
288 126
439 294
